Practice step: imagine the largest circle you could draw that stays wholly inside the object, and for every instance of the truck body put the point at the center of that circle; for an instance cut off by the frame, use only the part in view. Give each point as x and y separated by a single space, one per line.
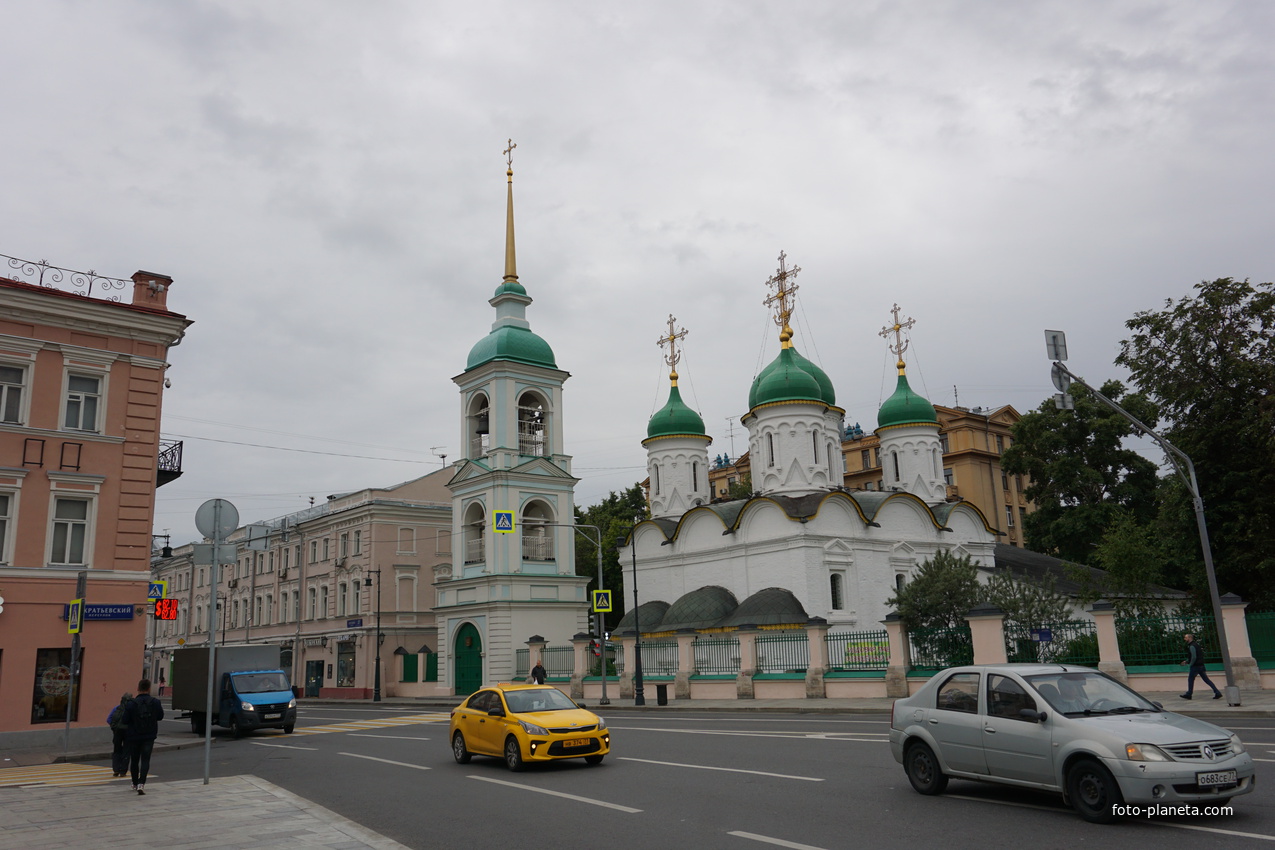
250 690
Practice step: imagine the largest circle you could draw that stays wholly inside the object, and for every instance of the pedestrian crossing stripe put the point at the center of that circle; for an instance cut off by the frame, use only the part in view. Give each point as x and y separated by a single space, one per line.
383 723
60 775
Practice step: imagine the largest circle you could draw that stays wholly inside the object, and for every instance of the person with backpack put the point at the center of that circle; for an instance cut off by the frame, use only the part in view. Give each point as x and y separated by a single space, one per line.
141 719
1195 667
119 758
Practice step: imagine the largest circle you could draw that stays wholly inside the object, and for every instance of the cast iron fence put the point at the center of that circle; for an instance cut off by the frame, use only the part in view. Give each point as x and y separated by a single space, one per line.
783 652
1063 642
716 655
1152 641
851 651
935 649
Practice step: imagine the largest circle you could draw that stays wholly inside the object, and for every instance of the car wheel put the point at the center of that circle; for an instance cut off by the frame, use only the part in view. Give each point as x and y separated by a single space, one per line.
459 752
235 728
513 754
923 770
1092 791
594 759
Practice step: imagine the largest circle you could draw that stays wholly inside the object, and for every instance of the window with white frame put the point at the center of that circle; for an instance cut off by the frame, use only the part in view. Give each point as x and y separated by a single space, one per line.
313 601
407 540
323 602
70 531
314 551
340 599
327 548
83 397
12 382
6 518
358 542
344 545
354 597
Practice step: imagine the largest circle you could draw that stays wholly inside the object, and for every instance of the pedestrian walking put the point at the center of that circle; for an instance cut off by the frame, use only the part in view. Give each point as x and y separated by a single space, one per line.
141 717
538 673
119 756
1195 667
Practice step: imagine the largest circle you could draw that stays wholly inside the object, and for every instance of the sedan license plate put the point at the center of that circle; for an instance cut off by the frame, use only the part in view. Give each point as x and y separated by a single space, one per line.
1215 778
579 742
271 716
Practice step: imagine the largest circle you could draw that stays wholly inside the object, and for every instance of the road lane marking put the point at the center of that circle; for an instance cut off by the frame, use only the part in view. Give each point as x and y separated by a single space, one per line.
588 800
390 737
725 769
777 841
385 761
60 775
882 737
362 725
281 746
1256 759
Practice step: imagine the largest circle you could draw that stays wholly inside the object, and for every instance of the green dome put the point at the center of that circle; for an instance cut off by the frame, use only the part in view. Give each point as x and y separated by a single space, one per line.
675 418
510 286
699 609
784 380
826 392
905 407
511 343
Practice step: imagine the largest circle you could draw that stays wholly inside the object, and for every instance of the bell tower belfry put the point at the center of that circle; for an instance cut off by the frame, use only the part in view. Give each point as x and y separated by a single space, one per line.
512 546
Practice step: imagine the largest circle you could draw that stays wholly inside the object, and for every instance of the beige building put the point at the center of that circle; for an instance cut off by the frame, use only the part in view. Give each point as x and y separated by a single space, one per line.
81 384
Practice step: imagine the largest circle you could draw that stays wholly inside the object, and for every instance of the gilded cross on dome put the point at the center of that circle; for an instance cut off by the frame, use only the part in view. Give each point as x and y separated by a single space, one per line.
900 344
781 299
673 357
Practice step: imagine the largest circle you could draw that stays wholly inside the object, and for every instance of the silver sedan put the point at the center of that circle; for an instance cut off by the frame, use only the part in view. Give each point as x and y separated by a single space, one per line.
1067 729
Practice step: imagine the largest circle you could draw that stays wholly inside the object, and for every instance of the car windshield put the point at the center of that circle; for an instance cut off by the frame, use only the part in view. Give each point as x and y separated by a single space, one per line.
537 699
260 683
1087 693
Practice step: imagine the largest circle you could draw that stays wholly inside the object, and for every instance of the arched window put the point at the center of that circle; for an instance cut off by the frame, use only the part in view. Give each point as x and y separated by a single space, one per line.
478 425
694 476
899 581
770 449
537 532
838 599
655 479
532 422
814 444
475 525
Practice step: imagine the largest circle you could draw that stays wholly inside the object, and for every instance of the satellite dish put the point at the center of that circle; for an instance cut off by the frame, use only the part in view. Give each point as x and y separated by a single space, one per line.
216 518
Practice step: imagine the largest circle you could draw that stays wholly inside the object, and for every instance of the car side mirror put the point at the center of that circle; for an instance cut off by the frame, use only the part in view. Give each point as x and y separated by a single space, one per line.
1033 715
1158 705
496 712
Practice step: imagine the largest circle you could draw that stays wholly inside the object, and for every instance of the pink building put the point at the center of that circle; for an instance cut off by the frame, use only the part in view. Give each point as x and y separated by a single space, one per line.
81 386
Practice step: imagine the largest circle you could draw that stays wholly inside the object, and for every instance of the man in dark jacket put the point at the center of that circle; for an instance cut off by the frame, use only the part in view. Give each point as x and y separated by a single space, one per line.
141 717
119 755
1195 667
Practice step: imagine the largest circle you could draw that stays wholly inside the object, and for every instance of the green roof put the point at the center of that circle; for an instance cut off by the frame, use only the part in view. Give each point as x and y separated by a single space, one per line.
510 286
905 407
675 418
699 609
512 343
785 380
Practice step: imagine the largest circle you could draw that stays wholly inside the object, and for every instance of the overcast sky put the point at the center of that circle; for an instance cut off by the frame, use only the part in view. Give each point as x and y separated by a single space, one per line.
324 183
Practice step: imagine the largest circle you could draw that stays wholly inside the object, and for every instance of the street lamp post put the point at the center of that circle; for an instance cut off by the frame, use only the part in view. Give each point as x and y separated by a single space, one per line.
639 693
376 680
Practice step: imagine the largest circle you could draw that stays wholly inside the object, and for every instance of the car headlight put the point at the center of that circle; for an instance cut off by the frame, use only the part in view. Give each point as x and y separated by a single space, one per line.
532 729
1145 752
247 706
292 703
1237 746
602 724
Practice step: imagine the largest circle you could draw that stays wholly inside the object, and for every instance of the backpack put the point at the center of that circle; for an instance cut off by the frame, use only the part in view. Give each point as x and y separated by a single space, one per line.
145 724
116 720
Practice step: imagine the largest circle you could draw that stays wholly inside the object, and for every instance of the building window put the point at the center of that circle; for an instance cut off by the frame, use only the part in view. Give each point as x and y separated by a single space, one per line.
70 531
814 440
345 664
358 542
354 597
1009 515
943 444
340 599
1018 483
82 397
1022 516
1000 444
327 548
770 450
285 552
865 459
270 563
407 540
6 516
256 610
949 477
312 600
1004 481
12 380
694 476
323 602
345 544
50 702
314 551
838 601
869 485
899 581
234 615
897 477
876 457
655 479
269 612
410 669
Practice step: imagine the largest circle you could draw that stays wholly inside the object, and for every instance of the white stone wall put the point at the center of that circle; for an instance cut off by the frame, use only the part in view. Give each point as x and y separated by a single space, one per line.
919 461
669 464
794 430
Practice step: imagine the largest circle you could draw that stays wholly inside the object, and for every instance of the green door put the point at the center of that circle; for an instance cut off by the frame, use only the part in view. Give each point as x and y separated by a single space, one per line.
467 653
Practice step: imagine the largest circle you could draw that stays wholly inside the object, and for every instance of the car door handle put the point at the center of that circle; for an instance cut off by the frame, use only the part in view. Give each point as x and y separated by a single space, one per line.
934 721
989 730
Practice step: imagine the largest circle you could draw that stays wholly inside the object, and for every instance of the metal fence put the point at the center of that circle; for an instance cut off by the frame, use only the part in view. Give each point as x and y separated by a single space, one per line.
1064 642
716 655
559 661
1151 641
783 652
613 661
848 651
1261 636
935 649
522 663
659 658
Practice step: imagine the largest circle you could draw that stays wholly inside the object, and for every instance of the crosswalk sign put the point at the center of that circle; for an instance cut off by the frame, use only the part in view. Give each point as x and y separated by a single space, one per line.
75 617
503 521
601 601
157 590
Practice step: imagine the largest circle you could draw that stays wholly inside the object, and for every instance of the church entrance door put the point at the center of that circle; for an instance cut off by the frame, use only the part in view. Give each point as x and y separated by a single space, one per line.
467 653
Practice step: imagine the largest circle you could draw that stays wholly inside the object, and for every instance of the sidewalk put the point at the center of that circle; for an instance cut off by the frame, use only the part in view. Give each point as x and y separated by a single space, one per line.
243 812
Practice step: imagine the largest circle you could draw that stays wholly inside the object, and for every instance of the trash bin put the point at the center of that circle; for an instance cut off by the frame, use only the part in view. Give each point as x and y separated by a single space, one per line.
661 694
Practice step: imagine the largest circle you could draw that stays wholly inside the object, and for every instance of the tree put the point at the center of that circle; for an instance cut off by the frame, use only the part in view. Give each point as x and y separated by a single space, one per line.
614 515
1029 604
941 593
1133 556
1081 474
1208 362
741 489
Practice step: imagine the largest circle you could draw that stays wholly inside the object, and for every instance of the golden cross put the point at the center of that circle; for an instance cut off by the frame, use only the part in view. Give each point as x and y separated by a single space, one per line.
900 344
509 153
783 294
674 356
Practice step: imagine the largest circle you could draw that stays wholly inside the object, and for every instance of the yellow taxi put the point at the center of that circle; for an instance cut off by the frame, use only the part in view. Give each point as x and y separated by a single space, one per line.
526 723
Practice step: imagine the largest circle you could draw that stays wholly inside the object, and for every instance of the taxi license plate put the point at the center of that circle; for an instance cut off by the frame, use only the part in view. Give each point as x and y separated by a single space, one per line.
576 742
1217 777
271 716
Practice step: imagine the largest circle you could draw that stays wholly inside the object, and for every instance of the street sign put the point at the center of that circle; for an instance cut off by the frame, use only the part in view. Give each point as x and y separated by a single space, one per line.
1042 635
1062 381
1056 345
157 590
258 537
601 601
75 617
102 612
212 553
503 521
216 518
1064 401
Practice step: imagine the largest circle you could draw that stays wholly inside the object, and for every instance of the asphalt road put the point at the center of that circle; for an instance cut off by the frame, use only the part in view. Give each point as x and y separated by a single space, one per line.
673 780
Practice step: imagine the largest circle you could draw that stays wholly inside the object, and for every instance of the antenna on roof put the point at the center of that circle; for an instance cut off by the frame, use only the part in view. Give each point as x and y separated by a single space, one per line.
442 457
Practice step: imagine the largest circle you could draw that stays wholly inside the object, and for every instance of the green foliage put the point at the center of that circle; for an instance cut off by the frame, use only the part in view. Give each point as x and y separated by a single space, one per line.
1132 555
614 515
1082 477
1208 362
941 593
741 489
1027 604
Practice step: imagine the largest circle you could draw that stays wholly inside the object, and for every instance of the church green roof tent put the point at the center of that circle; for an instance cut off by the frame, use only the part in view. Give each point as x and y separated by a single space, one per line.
784 380
773 606
699 609
675 419
905 407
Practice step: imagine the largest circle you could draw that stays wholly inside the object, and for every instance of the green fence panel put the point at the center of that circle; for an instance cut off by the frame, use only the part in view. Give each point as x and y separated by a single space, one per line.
934 649
783 652
1261 635
717 655
851 651
559 661
1070 642
1151 641
659 658
522 663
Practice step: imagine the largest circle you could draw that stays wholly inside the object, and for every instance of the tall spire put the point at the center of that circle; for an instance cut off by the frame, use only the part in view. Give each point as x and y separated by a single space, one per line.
511 264
900 344
782 298
674 356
